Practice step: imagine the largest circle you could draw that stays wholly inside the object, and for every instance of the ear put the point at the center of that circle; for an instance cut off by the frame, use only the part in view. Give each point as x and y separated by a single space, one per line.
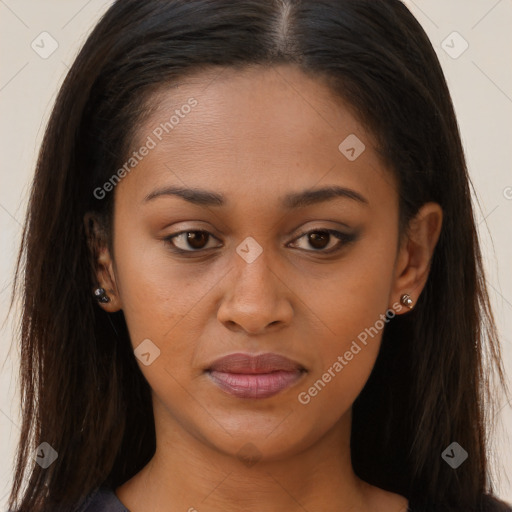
414 257
101 262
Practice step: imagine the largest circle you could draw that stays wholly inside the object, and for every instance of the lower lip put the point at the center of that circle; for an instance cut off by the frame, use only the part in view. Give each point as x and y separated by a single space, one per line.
261 385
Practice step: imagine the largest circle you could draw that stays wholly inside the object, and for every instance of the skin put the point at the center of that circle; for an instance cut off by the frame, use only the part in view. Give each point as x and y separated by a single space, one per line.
255 136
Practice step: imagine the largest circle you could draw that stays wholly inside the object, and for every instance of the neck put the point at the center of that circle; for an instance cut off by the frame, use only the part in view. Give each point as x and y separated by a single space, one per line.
187 473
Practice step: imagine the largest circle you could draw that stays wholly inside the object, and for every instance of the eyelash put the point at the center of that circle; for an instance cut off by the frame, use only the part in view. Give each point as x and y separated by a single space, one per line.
344 239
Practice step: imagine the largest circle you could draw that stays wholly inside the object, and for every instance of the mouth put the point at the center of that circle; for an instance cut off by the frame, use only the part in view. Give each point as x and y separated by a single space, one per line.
248 376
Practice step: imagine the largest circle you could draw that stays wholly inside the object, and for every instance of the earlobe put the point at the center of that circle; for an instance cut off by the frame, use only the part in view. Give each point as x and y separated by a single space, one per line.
415 255
102 272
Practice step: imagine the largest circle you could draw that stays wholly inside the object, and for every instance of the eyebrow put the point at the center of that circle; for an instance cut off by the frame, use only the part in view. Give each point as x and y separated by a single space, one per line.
306 197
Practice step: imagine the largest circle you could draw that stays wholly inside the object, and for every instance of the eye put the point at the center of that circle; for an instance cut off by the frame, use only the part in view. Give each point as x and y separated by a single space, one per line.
195 239
320 239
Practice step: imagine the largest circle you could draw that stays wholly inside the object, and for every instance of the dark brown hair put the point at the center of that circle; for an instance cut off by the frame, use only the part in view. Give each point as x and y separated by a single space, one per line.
82 391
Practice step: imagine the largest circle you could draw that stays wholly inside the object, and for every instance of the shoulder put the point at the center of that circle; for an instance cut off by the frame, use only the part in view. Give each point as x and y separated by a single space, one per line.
102 499
488 503
491 503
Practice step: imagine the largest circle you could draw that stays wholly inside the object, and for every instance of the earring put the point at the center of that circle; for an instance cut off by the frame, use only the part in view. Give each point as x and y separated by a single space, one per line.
406 300
101 295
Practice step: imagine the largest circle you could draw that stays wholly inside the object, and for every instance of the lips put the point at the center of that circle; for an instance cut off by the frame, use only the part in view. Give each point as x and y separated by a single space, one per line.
248 376
249 364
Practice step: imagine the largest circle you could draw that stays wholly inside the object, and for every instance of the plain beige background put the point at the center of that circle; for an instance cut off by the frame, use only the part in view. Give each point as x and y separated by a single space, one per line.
473 39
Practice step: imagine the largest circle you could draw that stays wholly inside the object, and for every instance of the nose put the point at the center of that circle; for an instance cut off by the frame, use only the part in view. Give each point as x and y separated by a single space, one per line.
257 298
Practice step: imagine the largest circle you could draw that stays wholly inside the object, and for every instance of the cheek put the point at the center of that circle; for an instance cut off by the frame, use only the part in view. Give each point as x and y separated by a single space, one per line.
163 301
151 285
352 305
351 295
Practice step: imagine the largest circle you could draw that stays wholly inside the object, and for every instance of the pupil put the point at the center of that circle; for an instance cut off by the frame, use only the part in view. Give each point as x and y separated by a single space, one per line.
314 238
193 238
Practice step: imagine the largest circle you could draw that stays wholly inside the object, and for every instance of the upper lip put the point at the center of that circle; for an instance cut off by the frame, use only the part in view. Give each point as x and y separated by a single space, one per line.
253 364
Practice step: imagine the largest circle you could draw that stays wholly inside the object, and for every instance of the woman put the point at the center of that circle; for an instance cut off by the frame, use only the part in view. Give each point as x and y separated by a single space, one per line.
252 273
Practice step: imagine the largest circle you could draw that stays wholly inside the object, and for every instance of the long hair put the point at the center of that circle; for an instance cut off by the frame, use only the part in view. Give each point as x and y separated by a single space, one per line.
82 391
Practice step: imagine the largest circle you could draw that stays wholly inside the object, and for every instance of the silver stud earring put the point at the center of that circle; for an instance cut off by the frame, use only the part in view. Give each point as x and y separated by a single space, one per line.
406 300
101 295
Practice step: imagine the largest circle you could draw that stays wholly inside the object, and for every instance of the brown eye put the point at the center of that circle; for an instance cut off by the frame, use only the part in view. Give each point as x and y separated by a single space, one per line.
319 239
197 239
325 241
189 241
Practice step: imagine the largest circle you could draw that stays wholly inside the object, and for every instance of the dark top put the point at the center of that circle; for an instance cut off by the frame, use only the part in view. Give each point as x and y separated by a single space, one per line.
104 499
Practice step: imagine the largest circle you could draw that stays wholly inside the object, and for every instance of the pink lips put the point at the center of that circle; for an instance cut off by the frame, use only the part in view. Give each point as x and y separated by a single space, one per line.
248 376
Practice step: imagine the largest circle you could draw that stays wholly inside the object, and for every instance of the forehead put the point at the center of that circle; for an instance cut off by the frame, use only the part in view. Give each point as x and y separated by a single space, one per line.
251 130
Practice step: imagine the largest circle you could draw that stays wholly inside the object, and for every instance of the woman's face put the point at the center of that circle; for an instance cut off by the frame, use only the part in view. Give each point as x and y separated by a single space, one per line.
254 281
